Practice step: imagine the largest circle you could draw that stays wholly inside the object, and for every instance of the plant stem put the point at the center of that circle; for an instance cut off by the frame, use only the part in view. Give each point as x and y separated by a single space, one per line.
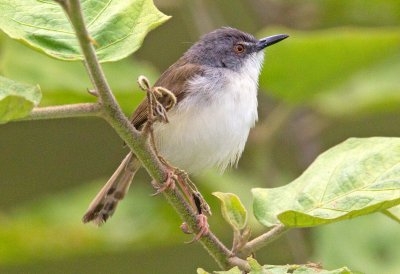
111 110
64 111
262 240
136 142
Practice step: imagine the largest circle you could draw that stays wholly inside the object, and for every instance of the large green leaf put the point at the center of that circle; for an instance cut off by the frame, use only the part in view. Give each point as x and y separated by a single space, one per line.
64 83
16 99
357 177
310 63
118 26
393 213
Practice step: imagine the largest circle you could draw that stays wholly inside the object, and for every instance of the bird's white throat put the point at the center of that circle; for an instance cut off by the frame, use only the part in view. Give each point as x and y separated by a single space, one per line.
209 128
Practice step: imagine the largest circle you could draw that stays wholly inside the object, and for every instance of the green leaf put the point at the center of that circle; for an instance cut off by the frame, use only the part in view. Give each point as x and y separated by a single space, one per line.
357 177
393 213
16 99
118 26
234 270
310 63
232 210
302 269
256 268
201 271
67 83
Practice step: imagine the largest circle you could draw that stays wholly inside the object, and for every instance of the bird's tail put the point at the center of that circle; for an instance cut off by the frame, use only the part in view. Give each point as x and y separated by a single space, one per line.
104 204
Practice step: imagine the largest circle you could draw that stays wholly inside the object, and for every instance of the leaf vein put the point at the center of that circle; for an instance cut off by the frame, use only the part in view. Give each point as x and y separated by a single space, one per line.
42 28
354 190
99 14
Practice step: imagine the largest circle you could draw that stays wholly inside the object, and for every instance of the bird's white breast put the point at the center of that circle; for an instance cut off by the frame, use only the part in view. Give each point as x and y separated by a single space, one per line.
209 128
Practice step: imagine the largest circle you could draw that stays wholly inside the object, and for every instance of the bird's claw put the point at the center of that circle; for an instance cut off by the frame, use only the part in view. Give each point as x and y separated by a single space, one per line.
202 223
169 183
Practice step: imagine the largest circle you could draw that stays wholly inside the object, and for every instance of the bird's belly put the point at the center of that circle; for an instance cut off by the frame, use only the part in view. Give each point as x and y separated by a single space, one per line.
201 135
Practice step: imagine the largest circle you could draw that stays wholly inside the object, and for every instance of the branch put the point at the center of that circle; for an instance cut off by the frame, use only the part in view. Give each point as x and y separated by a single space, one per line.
64 111
113 114
262 240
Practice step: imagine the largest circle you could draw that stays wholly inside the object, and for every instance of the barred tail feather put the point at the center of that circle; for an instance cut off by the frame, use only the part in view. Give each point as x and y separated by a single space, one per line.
105 203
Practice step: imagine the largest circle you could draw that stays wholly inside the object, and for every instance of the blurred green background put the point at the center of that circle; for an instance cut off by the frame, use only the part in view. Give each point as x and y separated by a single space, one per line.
336 77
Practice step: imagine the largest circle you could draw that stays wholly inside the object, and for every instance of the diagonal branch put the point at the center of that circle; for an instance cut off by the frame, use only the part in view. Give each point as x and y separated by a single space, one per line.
137 143
262 240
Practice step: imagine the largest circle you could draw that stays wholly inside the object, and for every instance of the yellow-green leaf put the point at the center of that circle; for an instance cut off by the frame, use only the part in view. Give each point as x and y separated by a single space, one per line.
17 99
234 270
256 268
393 213
302 269
232 209
201 271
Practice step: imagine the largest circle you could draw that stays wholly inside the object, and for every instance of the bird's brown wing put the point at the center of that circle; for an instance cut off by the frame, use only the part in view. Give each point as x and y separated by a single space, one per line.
175 79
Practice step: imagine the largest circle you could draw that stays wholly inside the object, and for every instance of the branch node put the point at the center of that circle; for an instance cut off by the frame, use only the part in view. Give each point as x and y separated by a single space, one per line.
93 92
93 41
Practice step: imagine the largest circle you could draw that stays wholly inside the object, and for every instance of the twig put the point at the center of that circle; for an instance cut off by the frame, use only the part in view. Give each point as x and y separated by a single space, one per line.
262 240
64 111
133 138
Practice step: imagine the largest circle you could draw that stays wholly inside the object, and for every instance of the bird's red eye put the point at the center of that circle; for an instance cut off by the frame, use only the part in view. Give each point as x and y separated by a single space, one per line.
239 48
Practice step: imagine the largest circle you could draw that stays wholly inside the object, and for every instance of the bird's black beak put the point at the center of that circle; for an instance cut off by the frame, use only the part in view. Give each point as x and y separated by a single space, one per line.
270 40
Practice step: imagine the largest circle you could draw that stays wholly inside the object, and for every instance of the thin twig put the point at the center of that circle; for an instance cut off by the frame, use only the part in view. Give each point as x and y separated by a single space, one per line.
64 111
133 138
262 240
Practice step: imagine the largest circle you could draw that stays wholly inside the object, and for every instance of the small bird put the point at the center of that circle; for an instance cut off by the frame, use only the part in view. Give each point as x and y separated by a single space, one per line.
215 83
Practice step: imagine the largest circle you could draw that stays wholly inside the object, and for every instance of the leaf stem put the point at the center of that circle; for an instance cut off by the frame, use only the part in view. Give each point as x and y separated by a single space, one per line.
262 240
139 144
64 111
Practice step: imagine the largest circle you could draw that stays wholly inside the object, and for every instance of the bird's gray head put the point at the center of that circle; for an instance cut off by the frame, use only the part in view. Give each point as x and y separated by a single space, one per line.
229 48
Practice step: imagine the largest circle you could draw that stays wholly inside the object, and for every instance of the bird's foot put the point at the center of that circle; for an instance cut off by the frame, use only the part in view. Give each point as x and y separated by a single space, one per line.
203 226
192 193
169 183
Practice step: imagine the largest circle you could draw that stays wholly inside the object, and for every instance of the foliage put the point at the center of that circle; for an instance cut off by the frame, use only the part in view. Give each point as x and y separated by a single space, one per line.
335 72
16 99
232 209
357 177
117 27
20 63
256 268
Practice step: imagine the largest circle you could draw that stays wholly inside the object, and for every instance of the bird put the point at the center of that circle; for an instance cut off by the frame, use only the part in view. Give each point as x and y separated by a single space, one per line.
215 83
